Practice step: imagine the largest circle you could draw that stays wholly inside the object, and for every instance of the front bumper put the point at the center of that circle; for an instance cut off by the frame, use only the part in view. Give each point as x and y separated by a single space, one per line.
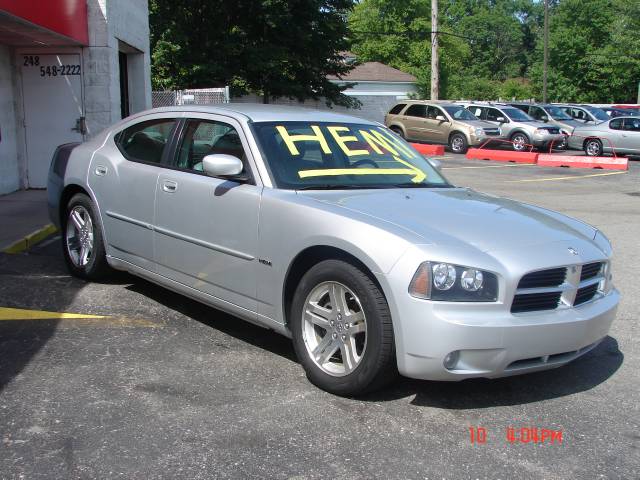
477 140
507 345
492 341
544 140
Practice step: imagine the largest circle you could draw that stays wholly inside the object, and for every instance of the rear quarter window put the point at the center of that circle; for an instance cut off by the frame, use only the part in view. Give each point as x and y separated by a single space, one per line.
397 109
145 141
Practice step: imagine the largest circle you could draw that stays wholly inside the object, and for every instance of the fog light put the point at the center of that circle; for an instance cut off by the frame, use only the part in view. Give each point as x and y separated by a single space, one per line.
451 360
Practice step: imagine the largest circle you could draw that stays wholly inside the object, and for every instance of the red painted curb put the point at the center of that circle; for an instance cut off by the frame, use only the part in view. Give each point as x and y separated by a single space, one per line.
574 161
502 155
429 149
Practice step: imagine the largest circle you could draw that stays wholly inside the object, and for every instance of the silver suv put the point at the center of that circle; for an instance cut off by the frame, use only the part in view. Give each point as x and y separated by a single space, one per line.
442 122
517 126
551 114
585 114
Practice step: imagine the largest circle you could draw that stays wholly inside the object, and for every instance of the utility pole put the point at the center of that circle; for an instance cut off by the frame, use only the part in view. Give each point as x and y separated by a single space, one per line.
545 67
435 61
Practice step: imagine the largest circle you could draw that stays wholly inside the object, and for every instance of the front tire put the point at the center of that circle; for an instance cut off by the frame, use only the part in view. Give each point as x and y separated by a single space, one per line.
458 143
593 147
520 141
82 243
397 131
342 330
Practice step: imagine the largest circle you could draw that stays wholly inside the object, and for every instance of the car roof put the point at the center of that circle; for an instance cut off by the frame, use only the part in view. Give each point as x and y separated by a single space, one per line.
432 102
258 112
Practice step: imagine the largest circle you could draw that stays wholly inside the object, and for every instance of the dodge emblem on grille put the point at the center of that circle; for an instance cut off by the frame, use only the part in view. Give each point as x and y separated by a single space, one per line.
572 250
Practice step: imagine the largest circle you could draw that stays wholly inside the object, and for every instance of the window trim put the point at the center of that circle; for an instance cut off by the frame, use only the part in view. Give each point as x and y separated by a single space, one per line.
179 138
165 151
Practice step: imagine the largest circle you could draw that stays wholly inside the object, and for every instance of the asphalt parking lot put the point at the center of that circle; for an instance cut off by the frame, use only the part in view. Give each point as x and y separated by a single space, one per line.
154 385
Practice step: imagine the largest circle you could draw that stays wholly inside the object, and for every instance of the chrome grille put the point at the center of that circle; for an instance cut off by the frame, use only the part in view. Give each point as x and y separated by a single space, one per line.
585 294
530 302
544 278
590 270
553 131
560 287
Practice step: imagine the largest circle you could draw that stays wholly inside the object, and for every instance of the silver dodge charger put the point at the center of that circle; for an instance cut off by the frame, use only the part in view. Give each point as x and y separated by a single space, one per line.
335 232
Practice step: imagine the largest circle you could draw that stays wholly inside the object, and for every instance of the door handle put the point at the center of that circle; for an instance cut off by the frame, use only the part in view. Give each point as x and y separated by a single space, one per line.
169 186
101 170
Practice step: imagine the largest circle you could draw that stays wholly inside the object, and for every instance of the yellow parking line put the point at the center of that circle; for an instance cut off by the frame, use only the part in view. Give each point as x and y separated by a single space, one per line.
492 166
551 179
16 314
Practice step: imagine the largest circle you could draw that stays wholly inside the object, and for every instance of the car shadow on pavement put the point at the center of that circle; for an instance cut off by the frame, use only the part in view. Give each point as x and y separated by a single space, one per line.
242 330
578 376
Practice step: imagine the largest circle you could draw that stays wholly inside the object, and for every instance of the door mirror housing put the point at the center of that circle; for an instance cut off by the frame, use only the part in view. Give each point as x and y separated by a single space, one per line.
221 165
544 118
501 119
440 118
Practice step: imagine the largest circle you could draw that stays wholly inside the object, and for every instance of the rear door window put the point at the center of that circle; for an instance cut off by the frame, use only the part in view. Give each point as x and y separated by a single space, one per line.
630 124
146 141
416 110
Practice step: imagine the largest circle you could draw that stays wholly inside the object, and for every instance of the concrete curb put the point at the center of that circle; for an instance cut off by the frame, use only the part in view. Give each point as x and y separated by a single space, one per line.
30 240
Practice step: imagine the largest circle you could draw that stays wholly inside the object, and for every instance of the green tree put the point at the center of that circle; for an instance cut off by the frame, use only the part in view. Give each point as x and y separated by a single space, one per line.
277 48
594 52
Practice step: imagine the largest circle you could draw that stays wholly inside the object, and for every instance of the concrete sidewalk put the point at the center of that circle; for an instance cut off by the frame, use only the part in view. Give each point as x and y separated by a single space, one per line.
22 214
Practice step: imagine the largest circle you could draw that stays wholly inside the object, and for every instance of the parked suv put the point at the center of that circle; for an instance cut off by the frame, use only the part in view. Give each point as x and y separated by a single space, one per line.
551 114
517 126
443 123
585 114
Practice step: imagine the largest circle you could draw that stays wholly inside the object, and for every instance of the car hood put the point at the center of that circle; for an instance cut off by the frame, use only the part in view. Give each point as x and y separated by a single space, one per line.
477 123
460 216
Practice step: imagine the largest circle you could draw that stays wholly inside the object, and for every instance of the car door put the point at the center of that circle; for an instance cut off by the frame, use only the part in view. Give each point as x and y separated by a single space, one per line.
414 121
436 128
630 135
123 177
206 228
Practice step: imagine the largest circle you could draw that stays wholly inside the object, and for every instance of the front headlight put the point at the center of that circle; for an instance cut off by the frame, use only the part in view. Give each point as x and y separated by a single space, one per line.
453 283
479 132
541 131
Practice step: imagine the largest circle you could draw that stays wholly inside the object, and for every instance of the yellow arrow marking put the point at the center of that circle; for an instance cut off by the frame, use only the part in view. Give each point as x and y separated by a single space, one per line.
20 314
417 174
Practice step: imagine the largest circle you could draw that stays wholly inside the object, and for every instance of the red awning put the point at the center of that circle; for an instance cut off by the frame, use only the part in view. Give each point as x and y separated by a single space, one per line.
34 22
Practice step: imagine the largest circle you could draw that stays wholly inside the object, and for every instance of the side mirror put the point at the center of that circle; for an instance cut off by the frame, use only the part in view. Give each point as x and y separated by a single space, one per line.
221 165
441 118
501 119
434 163
544 118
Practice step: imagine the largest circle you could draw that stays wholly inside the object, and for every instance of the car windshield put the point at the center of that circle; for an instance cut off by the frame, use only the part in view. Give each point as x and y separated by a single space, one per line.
517 115
459 113
598 113
556 113
318 155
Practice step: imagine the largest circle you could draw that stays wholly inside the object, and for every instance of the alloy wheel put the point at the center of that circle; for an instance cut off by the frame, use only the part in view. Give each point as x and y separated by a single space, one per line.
334 328
79 236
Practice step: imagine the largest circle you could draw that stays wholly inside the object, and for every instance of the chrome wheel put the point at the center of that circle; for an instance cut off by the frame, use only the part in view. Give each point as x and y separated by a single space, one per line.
79 236
519 142
334 328
457 144
593 148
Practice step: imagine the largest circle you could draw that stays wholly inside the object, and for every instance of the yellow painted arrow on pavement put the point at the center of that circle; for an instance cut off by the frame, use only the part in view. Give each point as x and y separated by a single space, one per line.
21 314
7 313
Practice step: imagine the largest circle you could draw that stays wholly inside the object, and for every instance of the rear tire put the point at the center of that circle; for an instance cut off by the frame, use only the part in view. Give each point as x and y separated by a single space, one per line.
342 330
458 143
82 243
593 147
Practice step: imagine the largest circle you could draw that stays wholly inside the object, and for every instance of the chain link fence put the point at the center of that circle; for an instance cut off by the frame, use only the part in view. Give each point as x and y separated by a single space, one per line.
201 96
